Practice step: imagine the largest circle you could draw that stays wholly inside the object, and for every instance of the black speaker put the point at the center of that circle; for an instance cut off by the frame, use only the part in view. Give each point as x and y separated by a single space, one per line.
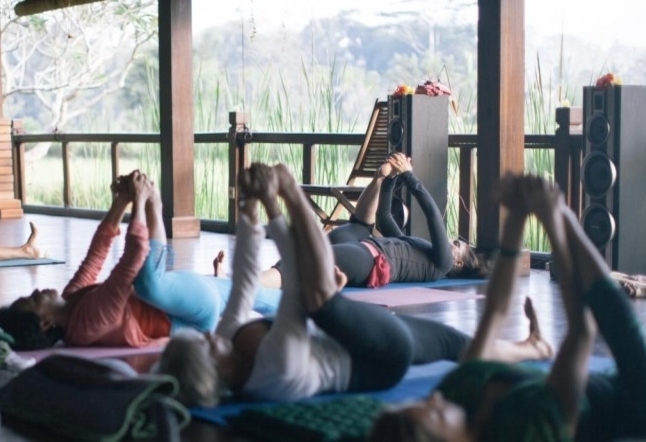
418 126
612 174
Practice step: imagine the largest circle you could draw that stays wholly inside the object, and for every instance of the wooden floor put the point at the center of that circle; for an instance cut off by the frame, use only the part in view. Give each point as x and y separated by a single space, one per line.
68 239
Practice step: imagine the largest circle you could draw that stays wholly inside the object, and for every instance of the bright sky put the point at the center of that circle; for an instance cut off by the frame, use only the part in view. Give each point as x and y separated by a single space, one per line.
603 23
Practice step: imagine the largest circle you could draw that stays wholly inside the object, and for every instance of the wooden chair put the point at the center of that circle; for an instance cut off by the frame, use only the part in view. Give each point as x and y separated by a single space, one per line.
371 156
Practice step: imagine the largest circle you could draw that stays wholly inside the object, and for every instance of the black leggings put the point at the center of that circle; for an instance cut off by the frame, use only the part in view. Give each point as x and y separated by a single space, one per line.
352 257
382 345
617 403
439 249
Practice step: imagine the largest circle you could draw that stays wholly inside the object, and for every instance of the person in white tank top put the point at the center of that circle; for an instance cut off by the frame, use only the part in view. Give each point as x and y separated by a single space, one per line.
319 341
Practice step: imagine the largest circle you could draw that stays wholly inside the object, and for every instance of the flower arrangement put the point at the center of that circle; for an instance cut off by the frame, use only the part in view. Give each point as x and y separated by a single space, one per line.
431 88
608 80
403 89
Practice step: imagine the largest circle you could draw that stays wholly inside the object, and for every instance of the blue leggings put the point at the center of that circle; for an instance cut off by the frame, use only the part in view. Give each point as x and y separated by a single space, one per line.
188 298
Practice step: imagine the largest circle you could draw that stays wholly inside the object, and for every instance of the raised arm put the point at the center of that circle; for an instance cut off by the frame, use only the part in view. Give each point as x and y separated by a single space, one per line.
246 266
315 266
569 374
503 277
107 230
441 251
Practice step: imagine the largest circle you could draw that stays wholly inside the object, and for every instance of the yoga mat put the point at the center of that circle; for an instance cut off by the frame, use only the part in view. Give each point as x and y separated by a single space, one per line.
93 352
440 283
224 284
409 296
395 290
418 382
29 262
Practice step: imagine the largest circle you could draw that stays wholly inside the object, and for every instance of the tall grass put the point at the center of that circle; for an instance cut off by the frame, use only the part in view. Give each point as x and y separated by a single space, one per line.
272 107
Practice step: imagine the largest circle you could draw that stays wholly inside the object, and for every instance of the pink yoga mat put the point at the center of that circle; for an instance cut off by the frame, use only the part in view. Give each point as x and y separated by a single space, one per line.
410 296
92 352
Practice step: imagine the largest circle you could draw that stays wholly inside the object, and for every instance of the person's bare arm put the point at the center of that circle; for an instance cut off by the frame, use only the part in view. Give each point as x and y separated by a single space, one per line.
503 277
569 373
316 267
366 208
107 230
246 265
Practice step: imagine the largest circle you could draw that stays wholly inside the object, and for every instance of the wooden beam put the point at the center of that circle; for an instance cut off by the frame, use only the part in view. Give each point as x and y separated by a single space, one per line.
501 87
32 7
176 118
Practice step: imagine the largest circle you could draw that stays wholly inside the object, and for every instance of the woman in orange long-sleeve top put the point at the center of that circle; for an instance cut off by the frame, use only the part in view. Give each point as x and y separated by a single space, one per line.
138 303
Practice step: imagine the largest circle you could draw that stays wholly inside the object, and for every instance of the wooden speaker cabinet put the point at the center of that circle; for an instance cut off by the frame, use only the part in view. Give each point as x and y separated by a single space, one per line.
418 126
612 174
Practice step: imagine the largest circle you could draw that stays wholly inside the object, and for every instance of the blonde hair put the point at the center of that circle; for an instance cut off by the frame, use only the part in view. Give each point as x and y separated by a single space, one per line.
187 358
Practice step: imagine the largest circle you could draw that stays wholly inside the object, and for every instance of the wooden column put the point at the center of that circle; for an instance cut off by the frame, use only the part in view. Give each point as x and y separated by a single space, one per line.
238 160
10 207
176 118
501 80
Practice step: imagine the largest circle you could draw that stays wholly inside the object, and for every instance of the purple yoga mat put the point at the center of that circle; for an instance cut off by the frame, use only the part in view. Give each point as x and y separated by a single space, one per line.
92 352
410 296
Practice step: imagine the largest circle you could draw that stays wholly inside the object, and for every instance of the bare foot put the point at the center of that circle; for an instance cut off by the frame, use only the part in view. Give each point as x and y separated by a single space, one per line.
154 200
634 285
400 163
286 180
121 185
139 187
542 198
535 337
218 265
29 248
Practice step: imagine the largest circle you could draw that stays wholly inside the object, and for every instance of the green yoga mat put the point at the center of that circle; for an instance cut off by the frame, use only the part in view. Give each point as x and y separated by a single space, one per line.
29 262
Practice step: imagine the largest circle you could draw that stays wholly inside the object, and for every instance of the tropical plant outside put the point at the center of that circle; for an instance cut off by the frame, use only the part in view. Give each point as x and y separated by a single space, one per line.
307 93
211 160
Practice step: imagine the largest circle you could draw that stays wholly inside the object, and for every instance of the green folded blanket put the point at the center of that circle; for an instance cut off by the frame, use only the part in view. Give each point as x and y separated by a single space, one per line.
94 400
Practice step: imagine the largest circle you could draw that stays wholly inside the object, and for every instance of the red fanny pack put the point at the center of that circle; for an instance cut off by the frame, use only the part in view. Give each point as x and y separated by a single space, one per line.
380 273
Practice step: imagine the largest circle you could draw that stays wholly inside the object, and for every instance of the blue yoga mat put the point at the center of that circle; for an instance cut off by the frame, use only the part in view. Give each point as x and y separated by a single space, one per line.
419 381
29 262
440 283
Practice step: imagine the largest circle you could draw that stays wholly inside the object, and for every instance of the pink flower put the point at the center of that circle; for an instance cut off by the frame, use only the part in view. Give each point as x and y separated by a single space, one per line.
432 88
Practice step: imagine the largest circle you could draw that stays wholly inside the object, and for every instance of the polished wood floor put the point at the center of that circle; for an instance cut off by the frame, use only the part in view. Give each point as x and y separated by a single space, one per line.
68 239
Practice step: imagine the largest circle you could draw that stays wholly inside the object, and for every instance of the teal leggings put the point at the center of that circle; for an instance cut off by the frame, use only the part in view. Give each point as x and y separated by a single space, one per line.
188 298
617 401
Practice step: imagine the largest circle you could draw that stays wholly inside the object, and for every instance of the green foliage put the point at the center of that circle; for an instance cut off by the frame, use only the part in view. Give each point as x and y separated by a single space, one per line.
323 78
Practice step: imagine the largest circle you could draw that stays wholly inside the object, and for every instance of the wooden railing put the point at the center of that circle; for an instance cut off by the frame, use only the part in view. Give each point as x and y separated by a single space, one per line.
570 146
